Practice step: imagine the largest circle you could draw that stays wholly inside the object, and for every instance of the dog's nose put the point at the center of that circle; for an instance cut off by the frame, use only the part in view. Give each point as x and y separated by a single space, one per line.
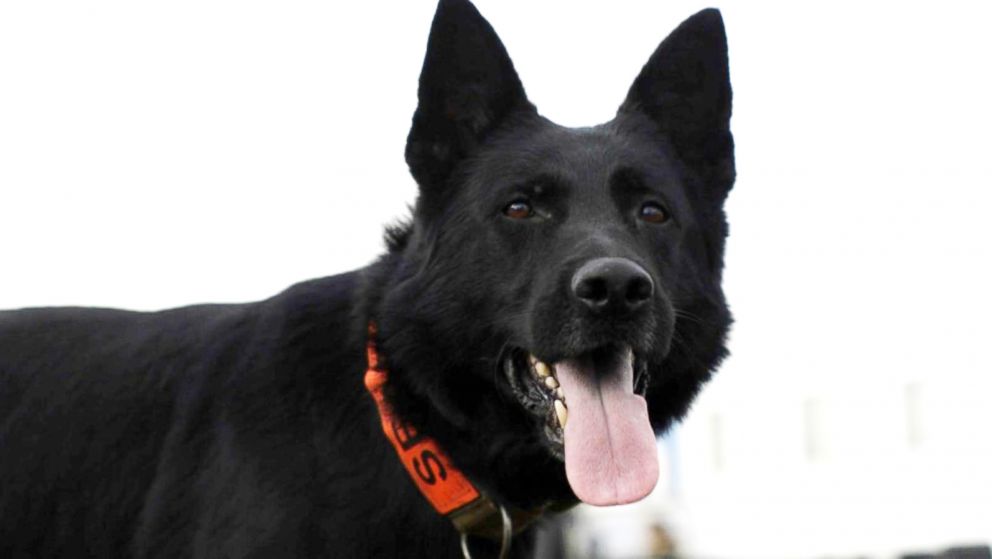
612 285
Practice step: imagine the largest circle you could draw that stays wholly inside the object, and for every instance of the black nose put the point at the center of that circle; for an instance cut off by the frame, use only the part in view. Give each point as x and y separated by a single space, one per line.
615 285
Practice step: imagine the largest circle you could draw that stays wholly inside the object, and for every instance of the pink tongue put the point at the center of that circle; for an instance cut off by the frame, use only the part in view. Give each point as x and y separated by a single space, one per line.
611 457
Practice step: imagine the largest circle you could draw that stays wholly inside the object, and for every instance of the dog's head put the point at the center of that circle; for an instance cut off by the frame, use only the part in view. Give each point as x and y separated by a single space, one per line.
557 295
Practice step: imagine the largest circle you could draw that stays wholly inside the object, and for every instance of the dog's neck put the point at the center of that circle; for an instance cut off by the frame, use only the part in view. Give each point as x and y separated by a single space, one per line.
449 491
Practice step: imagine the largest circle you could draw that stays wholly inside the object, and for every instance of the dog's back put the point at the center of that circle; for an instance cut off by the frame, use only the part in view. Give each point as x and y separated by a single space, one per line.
83 413
126 433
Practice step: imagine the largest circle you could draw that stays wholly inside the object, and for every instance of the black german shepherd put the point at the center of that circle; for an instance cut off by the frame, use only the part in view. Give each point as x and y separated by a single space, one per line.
554 302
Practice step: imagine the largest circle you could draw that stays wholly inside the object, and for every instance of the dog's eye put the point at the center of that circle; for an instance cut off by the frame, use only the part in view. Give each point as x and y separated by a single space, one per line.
652 212
518 209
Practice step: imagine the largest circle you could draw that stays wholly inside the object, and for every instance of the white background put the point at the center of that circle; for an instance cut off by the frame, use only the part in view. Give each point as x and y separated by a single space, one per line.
159 154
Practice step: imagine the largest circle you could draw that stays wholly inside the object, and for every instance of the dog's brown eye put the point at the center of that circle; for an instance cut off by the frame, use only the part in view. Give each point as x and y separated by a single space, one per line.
652 212
518 209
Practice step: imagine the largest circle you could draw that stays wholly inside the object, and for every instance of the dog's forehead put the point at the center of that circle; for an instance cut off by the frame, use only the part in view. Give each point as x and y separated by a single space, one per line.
581 157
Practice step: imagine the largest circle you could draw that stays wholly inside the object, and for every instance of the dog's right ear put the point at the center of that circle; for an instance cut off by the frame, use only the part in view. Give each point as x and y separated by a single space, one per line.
467 87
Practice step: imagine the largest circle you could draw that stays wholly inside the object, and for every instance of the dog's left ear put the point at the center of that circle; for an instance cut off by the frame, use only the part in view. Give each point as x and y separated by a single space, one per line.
685 89
467 88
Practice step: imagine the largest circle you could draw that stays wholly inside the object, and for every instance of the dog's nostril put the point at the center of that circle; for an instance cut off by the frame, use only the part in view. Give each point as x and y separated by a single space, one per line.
640 289
593 290
616 285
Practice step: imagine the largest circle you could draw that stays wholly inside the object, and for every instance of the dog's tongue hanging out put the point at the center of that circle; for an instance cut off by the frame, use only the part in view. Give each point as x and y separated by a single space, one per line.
610 453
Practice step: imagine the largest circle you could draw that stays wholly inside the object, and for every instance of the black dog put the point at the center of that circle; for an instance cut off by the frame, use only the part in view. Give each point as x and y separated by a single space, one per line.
554 302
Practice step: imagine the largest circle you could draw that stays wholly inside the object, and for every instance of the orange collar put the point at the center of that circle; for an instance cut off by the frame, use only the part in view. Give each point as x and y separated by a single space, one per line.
447 489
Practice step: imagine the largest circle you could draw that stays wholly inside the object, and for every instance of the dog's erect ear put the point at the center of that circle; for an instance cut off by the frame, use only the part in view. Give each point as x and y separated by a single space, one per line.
685 89
467 87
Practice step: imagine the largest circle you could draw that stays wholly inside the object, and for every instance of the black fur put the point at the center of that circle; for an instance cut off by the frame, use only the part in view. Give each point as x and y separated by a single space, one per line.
245 431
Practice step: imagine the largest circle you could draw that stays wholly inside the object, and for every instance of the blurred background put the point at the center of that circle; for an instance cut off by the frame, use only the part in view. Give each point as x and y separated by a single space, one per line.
162 154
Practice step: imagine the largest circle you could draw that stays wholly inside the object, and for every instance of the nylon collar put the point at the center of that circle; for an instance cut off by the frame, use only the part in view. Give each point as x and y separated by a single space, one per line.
445 487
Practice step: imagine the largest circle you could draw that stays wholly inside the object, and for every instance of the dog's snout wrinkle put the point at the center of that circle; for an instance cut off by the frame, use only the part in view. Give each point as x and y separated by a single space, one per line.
616 286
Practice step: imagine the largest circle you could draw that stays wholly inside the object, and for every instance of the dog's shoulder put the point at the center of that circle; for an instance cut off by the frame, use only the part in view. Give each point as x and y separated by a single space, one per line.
88 359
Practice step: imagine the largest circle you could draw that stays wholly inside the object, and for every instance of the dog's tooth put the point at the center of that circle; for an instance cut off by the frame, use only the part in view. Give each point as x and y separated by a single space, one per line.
542 369
560 394
561 412
550 382
531 359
